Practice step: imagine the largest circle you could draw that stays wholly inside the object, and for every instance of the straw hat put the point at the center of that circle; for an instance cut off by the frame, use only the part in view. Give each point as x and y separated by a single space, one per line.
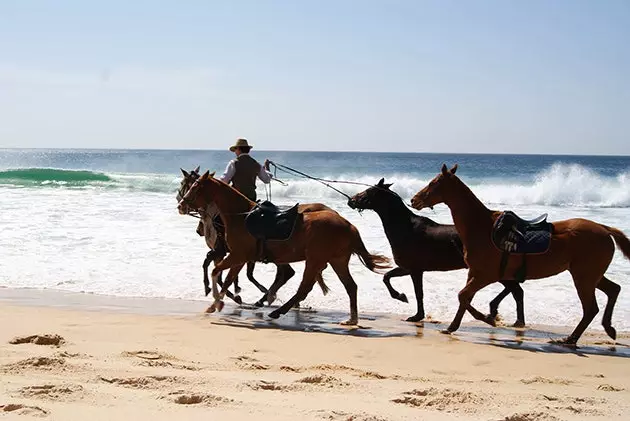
240 143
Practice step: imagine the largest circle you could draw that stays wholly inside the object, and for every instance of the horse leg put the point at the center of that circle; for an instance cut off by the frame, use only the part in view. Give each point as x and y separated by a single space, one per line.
519 295
227 263
343 272
586 293
250 276
392 292
283 274
206 264
308 281
218 304
465 297
611 289
515 289
417 287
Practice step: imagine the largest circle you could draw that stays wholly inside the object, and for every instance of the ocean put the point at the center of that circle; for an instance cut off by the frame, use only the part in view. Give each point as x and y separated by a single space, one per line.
106 222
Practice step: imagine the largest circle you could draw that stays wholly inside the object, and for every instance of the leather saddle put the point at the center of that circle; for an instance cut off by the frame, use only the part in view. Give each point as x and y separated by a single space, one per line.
270 222
515 235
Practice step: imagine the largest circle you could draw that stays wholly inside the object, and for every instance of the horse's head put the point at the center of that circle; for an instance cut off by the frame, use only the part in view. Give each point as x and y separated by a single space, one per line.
373 197
434 192
193 199
187 182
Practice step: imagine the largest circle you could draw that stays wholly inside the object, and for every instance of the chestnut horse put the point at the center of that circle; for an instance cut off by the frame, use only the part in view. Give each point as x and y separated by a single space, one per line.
421 245
217 252
319 237
583 247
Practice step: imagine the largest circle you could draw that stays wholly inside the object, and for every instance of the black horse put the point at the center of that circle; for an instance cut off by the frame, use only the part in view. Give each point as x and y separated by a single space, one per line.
421 245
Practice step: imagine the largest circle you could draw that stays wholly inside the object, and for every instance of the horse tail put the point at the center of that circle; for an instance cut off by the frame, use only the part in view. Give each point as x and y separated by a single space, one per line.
377 263
320 280
620 239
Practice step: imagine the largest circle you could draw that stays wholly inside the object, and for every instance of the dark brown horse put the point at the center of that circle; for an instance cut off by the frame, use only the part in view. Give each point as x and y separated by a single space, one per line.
216 243
583 247
421 245
319 237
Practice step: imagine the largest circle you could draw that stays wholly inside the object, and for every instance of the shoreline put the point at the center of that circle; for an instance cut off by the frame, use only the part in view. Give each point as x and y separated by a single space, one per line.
371 325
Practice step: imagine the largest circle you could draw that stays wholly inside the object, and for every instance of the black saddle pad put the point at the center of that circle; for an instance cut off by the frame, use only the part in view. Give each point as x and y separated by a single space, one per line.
270 222
513 234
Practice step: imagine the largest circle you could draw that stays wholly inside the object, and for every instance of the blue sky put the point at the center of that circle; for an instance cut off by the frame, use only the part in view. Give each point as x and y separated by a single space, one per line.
417 76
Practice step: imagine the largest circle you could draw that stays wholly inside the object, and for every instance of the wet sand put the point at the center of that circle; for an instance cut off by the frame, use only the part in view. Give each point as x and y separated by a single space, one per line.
138 358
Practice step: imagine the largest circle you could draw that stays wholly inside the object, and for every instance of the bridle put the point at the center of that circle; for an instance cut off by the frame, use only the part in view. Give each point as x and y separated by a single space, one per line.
186 184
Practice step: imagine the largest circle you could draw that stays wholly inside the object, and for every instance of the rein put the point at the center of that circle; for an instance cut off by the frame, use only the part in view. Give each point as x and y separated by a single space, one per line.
323 181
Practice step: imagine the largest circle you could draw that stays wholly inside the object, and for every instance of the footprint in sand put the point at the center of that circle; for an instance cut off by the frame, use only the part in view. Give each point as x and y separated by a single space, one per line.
40 363
355 371
148 382
265 385
544 380
55 340
50 391
447 400
609 388
323 380
346 416
186 398
530 416
158 359
20 409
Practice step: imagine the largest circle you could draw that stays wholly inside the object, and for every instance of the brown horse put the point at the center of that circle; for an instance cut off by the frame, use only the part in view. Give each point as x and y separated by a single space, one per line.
320 236
216 244
581 246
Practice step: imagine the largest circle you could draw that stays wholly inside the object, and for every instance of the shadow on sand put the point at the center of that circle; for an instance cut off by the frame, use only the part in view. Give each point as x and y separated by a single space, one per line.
385 325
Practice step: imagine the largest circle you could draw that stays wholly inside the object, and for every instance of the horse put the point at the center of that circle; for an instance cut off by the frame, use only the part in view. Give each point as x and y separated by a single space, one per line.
581 246
320 236
216 244
421 245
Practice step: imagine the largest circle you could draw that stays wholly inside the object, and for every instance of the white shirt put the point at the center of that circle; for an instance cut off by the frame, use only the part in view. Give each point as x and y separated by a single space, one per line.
264 175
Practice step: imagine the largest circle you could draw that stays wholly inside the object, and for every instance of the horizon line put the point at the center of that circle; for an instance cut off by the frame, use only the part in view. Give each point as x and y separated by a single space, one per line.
310 151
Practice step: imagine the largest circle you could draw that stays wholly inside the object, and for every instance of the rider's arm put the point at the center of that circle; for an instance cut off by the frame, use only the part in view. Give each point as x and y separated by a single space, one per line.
264 175
229 172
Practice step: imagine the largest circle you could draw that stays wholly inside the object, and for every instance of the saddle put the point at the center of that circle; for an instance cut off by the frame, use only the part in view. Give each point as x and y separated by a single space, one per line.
514 235
270 222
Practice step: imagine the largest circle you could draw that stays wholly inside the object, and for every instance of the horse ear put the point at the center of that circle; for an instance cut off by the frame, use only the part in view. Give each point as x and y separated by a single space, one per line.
444 169
381 182
454 169
205 175
184 173
387 186
197 169
212 175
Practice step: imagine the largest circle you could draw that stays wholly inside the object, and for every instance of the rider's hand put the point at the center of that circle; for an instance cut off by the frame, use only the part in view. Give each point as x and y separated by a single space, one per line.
267 162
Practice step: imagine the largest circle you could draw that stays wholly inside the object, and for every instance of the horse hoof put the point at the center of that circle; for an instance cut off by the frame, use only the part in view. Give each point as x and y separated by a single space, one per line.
518 324
403 298
568 342
220 305
446 331
210 309
238 300
208 291
349 322
492 321
237 290
416 318
259 304
274 314
611 332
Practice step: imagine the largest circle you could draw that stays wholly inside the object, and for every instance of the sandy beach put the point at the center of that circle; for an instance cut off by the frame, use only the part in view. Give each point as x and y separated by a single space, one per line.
77 357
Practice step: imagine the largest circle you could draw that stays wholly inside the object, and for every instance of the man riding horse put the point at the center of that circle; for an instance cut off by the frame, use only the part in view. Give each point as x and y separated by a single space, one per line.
241 172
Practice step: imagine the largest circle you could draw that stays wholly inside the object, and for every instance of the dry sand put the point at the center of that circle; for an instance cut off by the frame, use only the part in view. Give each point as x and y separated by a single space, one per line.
75 364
